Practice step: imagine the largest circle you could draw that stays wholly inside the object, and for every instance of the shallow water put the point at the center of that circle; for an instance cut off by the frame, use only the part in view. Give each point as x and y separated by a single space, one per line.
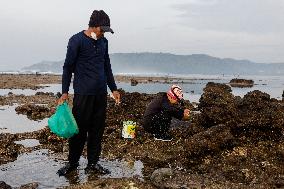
41 167
11 122
27 92
192 88
28 142
272 85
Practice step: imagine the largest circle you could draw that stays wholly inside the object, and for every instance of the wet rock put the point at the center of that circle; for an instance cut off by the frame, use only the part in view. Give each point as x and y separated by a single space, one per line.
8 149
279 181
29 186
42 135
133 82
160 175
280 151
56 143
255 115
34 112
132 107
241 83
51 141
2 99
45 93
260 117
3 185
185 129
27 81
213 140
217 105
110 183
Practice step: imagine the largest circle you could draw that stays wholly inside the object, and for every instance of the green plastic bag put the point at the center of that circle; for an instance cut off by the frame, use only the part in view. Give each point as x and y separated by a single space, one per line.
63 123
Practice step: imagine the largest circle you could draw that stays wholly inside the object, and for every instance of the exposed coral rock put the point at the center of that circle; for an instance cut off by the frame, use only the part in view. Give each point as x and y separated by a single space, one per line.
241 83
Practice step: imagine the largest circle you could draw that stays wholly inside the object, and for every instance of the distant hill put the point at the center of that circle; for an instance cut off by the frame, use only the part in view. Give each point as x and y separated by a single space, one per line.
46 66
166 63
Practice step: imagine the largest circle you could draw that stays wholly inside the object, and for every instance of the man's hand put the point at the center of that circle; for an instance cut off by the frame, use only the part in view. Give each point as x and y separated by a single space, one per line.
186 114
63 98
116 96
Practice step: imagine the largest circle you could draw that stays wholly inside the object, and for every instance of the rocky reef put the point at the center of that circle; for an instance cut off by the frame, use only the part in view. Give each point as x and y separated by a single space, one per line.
231 142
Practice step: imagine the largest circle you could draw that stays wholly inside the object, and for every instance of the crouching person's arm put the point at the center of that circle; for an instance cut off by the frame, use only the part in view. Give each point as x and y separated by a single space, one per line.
173 111
181 114
178 113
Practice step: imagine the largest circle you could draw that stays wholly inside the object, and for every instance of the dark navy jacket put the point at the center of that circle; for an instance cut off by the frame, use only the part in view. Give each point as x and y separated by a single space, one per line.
89 60
162 103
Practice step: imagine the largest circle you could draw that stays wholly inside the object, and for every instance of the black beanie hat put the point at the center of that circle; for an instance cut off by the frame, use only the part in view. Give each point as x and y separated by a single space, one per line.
100 18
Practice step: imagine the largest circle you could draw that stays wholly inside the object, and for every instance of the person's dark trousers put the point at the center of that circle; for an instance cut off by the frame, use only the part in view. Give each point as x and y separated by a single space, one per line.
158 123
90 114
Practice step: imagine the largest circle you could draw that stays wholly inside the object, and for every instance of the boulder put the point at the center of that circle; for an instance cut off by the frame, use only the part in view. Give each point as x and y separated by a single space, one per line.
160 175
260 117
3 185
217 105
213 140
45 93
8 149
241 83
29 186
34 112
133 82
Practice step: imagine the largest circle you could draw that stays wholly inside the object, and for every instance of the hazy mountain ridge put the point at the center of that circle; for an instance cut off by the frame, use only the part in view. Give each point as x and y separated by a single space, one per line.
174 64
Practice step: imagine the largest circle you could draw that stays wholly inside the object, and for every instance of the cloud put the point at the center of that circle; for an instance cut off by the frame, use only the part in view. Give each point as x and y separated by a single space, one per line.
36 30
253 16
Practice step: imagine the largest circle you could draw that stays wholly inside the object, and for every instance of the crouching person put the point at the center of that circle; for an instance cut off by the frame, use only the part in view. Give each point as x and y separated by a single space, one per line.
159 113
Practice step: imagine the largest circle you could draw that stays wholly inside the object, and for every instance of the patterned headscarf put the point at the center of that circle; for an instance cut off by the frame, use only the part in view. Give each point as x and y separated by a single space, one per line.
175 92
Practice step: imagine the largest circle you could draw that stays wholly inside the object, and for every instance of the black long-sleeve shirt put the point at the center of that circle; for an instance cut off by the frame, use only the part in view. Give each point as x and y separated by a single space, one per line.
89 60
162 103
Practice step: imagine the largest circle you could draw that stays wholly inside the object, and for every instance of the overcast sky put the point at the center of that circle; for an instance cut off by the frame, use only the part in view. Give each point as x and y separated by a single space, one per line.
36 30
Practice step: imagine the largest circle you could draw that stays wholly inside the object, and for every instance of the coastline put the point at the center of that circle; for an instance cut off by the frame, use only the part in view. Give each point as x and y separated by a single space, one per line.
30 81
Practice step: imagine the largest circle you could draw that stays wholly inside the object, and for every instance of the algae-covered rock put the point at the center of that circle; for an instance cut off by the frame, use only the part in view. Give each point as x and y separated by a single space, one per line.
213 140
217 105
8 149
241 83
34 112
3 185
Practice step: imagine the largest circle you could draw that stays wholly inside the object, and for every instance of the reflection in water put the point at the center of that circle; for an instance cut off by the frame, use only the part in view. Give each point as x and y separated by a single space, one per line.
11 122
41 167
36 166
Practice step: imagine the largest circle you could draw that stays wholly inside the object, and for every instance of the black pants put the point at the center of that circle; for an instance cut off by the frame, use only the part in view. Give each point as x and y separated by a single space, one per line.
90 114
158 123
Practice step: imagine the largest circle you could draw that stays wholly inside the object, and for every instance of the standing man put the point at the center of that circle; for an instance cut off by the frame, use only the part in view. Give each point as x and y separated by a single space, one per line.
87 57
